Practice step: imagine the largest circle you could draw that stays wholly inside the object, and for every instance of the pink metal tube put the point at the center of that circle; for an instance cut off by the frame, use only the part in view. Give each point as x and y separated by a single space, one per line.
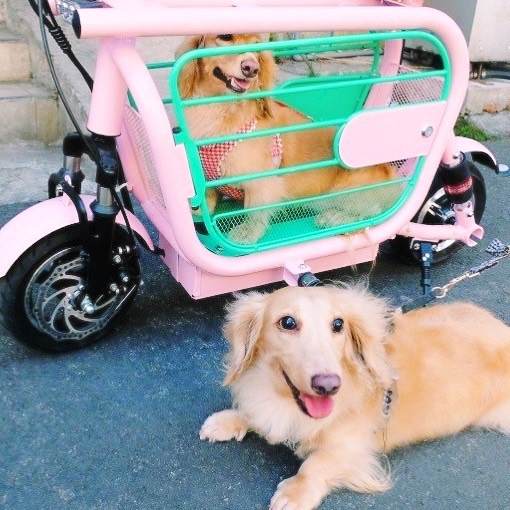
381 94
131 165
259 3
241 3
463 233
131 22
109 94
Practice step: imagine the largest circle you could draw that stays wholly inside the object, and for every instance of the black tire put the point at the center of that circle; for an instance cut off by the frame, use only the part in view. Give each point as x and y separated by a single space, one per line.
36 294
437 209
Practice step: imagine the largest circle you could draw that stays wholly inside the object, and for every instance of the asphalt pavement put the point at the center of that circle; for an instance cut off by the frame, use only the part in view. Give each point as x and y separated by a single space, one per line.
115 426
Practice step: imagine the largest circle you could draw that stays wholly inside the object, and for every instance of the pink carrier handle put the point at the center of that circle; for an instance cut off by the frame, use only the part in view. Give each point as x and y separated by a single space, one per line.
250 3
128 21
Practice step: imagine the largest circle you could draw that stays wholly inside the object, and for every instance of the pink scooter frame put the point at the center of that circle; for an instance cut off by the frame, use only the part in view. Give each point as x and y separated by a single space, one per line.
120 67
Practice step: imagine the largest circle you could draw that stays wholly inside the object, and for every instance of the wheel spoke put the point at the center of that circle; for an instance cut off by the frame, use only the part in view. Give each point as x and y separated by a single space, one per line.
67 320
67 291
56 311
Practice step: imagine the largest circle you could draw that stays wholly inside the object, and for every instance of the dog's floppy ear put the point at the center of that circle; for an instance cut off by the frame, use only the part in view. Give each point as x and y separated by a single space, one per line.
242 330
267 76
190 43
368 325
190 73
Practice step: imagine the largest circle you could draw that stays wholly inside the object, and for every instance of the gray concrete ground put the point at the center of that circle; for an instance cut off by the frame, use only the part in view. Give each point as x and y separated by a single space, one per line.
115 426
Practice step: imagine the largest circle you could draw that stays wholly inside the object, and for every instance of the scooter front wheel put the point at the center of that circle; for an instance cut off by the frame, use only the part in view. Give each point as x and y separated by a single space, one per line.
38 296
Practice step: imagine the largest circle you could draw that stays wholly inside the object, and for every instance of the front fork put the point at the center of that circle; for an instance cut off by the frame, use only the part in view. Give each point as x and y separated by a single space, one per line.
104 211
101 264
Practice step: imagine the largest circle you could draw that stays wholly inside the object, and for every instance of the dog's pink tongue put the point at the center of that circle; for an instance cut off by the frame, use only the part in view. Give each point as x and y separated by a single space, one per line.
242 84
317 407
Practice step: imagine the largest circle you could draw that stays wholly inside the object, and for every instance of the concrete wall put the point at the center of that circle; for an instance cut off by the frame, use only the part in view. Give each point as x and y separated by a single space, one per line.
21 19
485 24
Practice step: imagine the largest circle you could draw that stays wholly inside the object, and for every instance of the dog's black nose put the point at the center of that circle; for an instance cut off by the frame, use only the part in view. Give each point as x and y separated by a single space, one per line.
250 67
325 384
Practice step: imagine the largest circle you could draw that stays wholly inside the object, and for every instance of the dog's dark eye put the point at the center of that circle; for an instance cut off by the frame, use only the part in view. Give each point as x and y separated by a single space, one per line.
226 37
288 322
337 325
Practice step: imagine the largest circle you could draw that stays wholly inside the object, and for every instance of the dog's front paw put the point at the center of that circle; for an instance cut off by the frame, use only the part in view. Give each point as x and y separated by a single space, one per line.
248 232
295 494
333 217
224 426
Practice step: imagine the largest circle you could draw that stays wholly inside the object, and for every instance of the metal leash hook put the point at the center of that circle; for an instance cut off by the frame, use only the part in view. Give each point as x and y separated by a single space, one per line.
496 248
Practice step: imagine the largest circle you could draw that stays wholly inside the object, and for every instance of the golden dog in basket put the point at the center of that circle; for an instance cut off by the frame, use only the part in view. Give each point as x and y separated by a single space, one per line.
334 372
237 74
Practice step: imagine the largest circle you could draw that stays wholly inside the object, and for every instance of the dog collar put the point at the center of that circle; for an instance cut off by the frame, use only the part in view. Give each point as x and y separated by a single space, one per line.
389 397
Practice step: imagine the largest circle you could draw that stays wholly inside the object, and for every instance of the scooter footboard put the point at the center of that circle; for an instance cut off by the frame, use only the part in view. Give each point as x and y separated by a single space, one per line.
373 121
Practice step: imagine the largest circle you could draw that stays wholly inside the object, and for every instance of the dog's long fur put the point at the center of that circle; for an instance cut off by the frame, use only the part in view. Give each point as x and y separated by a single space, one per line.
197 79
452 363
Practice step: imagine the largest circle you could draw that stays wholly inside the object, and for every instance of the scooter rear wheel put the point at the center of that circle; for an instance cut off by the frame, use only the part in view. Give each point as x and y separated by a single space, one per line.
437 209
37 296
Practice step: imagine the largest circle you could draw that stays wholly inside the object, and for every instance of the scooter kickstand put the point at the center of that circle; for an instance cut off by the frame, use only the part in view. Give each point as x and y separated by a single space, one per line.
426 250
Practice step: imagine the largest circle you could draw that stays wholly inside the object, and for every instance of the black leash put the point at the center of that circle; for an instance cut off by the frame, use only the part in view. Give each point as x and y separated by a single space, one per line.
496 249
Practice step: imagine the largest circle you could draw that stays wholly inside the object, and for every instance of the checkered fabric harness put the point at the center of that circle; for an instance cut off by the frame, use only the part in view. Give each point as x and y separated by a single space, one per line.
213 155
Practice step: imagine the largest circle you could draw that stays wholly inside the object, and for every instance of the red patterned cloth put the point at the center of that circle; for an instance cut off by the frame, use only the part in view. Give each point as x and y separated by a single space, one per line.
213 155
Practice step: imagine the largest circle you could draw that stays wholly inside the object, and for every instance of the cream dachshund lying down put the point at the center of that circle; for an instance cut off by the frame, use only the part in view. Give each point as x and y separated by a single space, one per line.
251 72
313 367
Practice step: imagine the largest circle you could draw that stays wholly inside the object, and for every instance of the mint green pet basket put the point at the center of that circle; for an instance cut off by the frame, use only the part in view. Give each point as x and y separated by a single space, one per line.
328 93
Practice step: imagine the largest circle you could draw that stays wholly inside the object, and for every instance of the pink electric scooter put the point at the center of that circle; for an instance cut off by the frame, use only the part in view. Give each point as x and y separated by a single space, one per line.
70 265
